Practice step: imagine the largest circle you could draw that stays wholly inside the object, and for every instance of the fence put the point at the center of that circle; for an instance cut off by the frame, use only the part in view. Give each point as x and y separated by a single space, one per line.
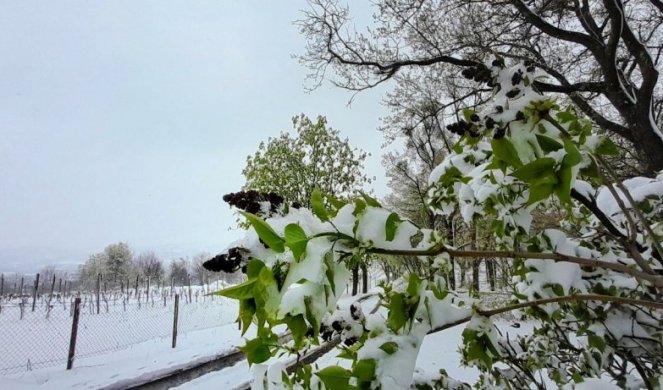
35 331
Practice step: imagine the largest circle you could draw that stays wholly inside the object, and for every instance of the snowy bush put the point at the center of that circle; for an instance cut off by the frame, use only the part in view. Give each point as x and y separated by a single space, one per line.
593 286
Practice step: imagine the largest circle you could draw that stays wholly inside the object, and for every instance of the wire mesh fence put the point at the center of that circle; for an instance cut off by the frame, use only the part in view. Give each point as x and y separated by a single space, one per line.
34 339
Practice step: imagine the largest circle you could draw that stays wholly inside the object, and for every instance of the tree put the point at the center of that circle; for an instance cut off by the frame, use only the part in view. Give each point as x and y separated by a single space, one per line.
179 271
119 261
114 263
603 56
200 273
89 271
591 283
149 265
315 157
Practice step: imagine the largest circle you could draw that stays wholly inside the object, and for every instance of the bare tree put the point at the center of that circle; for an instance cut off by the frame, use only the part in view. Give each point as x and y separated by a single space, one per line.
601 55
150 265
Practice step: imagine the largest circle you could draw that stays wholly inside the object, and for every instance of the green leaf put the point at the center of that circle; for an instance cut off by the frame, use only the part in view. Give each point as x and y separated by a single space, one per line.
256 351
566 116
573 156
596 341
247 309
389 347
539 192
364 370
607 147
413 285
397 313
360 206
504 150
563 188
548 144
298 328
266 233
310 317
591 170
296 240
318 205
337 204
536 170
240 291
393 220
253 268
335 377
370 200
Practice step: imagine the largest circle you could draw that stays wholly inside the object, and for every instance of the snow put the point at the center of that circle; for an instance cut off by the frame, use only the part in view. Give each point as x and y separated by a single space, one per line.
149 359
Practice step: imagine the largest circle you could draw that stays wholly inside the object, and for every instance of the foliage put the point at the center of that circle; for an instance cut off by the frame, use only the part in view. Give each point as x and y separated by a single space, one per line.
592 283
316 156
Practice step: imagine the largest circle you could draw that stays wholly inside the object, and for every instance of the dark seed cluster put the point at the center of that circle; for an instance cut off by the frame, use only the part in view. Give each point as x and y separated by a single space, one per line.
228 262
517 77
461 128
251 201
344 326
480 74
499 133
513 93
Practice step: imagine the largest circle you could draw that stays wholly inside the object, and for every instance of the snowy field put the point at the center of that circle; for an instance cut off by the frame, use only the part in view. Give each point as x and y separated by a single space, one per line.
147 359
31 341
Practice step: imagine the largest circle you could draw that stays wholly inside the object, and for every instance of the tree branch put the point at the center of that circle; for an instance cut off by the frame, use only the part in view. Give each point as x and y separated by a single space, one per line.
656 280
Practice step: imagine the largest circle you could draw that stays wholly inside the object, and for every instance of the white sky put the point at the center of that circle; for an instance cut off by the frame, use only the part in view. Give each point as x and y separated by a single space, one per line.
128 120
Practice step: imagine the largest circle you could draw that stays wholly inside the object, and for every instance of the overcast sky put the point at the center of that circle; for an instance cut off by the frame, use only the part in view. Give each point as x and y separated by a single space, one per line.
128 120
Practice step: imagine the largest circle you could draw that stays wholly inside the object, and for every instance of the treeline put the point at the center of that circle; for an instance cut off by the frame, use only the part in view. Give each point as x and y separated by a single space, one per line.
120 267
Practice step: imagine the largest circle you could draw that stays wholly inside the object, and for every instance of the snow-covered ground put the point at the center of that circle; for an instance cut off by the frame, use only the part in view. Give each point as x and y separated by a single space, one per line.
150 358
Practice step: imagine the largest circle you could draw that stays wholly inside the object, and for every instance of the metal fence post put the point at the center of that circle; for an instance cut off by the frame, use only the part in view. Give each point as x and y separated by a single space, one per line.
177 307
74 333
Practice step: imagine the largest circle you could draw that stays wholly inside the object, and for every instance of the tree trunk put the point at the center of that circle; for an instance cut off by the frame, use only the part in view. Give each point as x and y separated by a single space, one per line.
355 280
364 275
490 273
475 275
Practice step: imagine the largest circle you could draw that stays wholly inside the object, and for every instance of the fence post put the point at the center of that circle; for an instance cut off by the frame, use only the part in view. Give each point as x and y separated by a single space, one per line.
188 279
98 291
34 293
177 307
74 333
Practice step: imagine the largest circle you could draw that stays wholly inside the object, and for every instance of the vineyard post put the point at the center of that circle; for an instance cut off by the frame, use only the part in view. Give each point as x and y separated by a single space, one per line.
60 287
172 281
50 298
21 288
136 288
34 292
2 284
98 291
147 296
188 279
176 313
65 288
74 333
